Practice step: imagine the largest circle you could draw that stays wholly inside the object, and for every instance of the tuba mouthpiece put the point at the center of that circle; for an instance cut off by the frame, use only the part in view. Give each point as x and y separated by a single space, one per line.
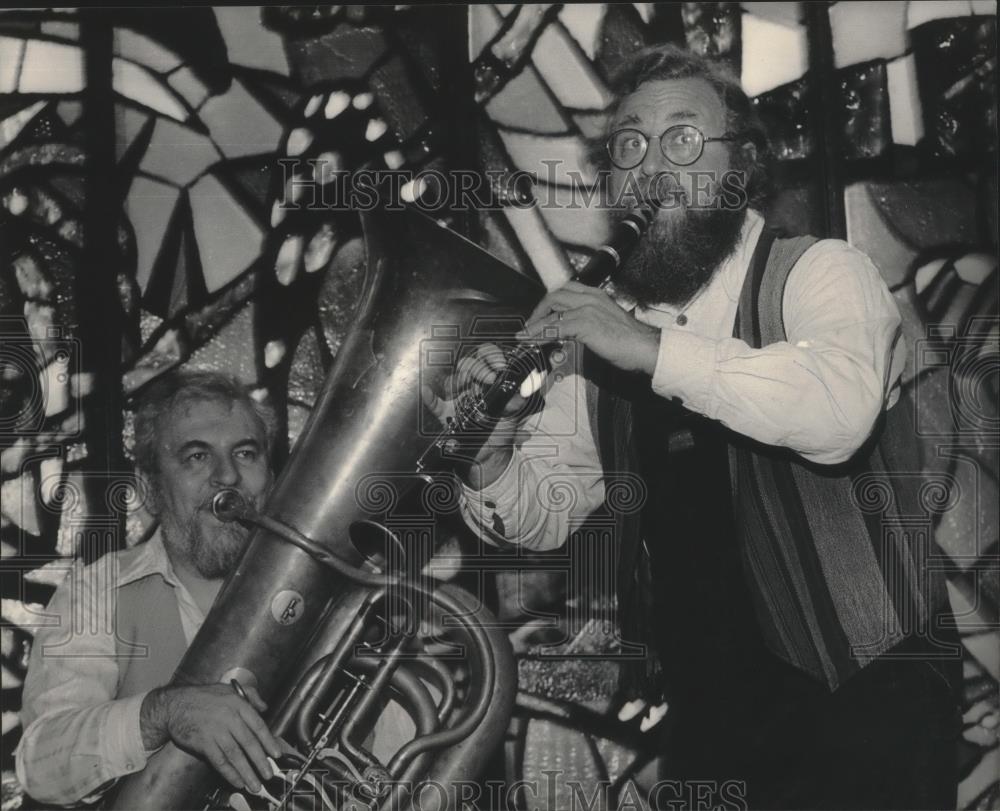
228 504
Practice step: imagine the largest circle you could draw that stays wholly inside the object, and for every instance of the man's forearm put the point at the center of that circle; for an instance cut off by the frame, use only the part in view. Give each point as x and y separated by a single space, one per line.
66 756
153 719
819 402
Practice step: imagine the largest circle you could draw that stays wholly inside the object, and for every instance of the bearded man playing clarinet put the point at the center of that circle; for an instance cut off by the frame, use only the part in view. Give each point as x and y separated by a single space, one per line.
752 383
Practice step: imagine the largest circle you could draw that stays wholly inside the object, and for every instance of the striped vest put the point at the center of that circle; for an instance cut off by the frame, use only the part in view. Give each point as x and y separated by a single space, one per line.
835 557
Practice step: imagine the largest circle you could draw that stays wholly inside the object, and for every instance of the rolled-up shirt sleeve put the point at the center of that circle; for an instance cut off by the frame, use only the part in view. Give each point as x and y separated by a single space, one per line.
78 737
554 479
819 392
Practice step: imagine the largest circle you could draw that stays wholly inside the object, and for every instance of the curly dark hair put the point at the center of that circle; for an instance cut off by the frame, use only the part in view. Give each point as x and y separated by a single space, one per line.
670 62
181 387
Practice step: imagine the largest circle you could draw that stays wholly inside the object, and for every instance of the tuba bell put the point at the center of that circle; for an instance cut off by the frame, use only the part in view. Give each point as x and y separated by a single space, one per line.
327 614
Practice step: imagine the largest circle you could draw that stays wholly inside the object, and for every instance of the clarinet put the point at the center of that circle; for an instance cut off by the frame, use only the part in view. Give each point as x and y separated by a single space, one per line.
608 258
476 413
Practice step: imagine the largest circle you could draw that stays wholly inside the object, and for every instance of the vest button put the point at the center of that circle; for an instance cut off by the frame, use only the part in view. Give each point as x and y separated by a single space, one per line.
682 320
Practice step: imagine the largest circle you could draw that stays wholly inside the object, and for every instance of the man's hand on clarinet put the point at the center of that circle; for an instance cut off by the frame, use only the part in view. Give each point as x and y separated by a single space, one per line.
590 316
472 374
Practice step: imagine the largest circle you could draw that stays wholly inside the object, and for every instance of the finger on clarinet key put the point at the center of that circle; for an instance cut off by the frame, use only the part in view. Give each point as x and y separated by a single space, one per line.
473 369
546 327
531 329
543 308
484 373
493 356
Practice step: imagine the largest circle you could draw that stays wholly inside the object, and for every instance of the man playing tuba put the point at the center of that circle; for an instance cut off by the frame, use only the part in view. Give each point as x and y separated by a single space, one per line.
95 706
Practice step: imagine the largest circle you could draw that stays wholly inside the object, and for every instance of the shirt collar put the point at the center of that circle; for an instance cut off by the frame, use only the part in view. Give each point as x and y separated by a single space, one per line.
144 560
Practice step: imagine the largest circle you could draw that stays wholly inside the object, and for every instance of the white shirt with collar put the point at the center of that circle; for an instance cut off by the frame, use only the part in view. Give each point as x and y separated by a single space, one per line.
78 735
818 393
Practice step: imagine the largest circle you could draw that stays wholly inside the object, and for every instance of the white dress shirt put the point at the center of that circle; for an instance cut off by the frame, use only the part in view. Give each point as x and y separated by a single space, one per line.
78 735
818 393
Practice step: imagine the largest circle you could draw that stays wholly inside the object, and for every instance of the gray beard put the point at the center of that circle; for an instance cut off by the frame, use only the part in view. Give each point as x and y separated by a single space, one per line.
213 558
674 261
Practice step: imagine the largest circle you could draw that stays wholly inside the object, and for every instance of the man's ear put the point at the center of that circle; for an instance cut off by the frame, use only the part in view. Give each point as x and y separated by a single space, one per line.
749 153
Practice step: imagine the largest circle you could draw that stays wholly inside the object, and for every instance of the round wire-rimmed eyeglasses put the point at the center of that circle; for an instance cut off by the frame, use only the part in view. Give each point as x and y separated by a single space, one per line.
681 144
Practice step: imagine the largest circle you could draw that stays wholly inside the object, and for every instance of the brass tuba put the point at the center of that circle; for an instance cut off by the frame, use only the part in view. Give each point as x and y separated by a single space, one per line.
323 613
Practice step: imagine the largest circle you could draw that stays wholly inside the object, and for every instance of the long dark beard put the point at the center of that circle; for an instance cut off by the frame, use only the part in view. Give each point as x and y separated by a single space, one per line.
678 257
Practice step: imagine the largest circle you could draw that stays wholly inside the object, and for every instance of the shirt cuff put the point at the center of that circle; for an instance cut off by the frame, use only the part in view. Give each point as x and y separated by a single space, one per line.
125 751
684 369
494 507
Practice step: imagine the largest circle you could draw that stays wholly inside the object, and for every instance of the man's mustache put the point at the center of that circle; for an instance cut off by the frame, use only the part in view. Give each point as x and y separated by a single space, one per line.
663 188
664 196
